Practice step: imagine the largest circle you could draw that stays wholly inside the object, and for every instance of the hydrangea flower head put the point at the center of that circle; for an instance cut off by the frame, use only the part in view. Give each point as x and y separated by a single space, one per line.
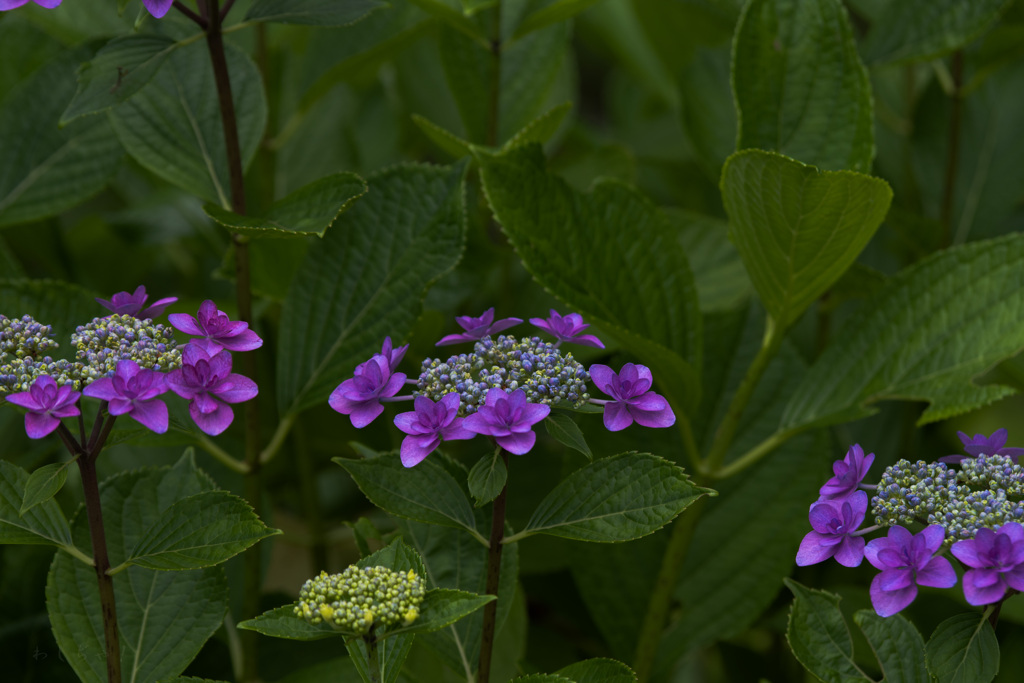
12 4
158 8
633 400
907 561
208 383
24 336
46 404
987 445
509 418
849 473
134 304
567 328
429 424
832 523
214 330
100 344
360 397
361 598
133 391
478 328
996 561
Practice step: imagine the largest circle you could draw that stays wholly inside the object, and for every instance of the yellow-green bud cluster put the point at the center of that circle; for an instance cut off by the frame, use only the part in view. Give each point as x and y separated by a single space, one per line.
24 336
361 598
19 374
105 341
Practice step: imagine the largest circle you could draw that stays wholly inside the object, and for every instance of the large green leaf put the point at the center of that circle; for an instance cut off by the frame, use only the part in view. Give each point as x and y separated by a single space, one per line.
44 483
797 228
367 278
63 305
23 49
282 622
897 644
310 210
722 282
598 671
552 13
47 169
963 649
799 84
819 636
609 254
173 127
163 617
313 12
917 30
42 524
487 478
615 499
924 336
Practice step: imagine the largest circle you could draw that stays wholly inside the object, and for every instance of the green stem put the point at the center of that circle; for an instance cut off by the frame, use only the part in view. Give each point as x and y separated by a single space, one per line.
222 456
310 501
371 656
756 453
277 440
493 579
689 443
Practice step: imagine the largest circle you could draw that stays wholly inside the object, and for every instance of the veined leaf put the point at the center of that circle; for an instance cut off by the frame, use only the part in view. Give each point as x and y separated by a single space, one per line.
282 622
44 484
565 430
557 11
897 644
446 140
452 17
313 12
442 607
722 282
487 478
42 524
598 670
541 128
963 649
819 636
63 305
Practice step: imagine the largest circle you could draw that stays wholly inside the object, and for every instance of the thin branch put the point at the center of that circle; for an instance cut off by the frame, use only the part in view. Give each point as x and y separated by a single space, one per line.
190 14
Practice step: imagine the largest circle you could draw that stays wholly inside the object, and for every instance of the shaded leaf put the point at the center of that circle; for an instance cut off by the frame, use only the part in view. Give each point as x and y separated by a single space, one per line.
566 431
442 607
63 305
282 622
44 484
448 141
722 281
452 17
313 12
819 636
963 649
598 671
898 646
41 524
487 478
559 10
541 128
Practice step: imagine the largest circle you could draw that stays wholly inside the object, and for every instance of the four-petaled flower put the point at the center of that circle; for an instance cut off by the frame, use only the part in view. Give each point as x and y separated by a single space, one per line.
633 398
832 523
360 396
134 304
215 330
996 559
509 418
12 4
46 404
478 328
907 561
566 328
158 8
989 445
133 391
207 381
849 473
393 354
428 425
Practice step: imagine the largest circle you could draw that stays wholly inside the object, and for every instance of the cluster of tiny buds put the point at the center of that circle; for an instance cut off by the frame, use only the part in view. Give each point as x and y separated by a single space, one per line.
542 371
20 373
361 598
25 336
103 342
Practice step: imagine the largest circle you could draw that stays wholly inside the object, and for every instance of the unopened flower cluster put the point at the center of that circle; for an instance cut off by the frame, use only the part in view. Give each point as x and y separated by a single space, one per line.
24 347
975 513
361 598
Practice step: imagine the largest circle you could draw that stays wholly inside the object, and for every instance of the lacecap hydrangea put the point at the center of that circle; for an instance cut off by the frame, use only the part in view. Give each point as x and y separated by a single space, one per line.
361 599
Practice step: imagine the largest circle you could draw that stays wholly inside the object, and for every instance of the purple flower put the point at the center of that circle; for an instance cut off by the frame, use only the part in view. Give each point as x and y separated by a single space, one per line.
989 445
394 355
997 561
478 328
12 4
158 8
509 418
46 404
133 391
832 522
633 400
907 561
849 473
360 396
428 425
216 330
134 304
566 327
207 381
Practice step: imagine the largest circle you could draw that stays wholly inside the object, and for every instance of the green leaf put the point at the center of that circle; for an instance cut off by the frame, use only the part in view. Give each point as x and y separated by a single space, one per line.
819 636
615 499
541 128
367 278
920 338
918 30
63 305
310 210
722 281
426 493
172 126
200 531
442 607
963 649
542 678
610 255
897 644
44 484
797 228
487 478
565 430
452 17
46 169
448 141
799 84
119 70
43 524
598 670
391 654
559 10
23 49
282 622
313 12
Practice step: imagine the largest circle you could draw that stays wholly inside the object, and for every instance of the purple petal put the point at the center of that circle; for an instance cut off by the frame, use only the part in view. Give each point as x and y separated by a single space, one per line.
933 536
48 4
478 424
967 552
205 404
364 413
888 603
986 576
534 413
38 425
616 416
25 400
186 323
158 306
120 406
503 325
394 385
246 341
895 579
872 550
456 431
1015 577
454 339
602 375
215 422
158 8
655 419
12 4
938 573
812 551
409 422
982 594
241 389
517 444
1013 530
152 415
587 340
851 551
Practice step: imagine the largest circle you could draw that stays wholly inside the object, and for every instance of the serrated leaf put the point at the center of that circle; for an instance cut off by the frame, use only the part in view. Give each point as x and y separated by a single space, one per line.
566 431
43 524
487 478
919 338
598 670
898 646
367 278
797 228
310 210
172 126
391 654
557 11
44 484
119 70
722 281
446 140
615 499
963 649
917 30
542 678
442 607
63 305
313 12
46 169
819 636
541 128
610 255
282 622
799 84
452 17
426 493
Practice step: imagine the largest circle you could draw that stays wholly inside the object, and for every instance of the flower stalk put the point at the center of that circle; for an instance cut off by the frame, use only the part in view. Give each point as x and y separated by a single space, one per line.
493 578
